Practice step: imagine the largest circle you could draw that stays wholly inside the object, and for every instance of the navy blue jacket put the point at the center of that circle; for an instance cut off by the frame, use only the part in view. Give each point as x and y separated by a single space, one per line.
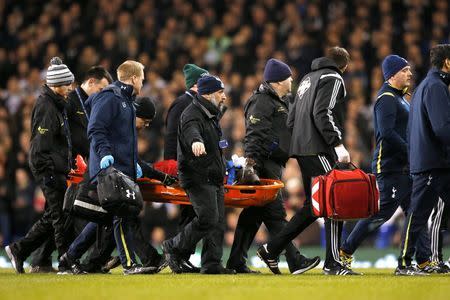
112 128
429 125
391 113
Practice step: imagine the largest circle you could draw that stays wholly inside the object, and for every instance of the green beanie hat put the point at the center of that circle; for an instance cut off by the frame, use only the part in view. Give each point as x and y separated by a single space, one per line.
192 73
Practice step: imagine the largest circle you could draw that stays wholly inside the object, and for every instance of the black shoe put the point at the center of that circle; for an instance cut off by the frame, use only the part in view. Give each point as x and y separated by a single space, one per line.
42 269
245 270
409 271
219 269
339 270
442 268
188 267
138 270
69 266
16 262
158 266
174 261
112 263
270 261
306 264
93 268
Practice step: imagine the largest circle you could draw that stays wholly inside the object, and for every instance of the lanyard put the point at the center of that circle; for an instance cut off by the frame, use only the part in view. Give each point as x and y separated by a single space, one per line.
82 103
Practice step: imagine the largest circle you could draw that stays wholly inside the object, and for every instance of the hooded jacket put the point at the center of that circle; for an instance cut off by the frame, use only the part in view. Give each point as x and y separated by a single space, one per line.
112 128
316 115
78 122
429 125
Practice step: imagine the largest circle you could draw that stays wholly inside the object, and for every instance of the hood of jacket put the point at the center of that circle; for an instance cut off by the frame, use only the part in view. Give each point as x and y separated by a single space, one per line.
324 63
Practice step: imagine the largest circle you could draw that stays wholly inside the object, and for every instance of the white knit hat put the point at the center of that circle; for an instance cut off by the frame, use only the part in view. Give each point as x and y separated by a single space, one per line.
58 73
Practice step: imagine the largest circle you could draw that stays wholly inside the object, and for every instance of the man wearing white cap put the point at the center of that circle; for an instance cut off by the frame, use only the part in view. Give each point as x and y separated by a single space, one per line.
50 162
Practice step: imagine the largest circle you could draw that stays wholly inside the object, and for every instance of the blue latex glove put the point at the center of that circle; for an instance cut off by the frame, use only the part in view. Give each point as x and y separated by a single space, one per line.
107 160
138 171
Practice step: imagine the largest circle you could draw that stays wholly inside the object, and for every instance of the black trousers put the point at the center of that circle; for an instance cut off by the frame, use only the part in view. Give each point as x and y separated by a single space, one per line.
187 214
427 188
273 215
310 166
52 222
209 225
43 255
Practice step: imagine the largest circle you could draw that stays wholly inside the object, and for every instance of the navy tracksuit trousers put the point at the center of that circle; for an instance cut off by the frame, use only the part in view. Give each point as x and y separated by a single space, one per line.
426 190
395 191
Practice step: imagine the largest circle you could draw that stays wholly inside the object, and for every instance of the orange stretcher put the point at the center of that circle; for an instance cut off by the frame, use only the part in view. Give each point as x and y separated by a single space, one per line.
235 195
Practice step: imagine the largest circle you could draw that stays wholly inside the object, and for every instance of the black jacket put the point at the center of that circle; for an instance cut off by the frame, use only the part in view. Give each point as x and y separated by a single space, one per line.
172 120
199 123
78 122
316 116
266 135
50 151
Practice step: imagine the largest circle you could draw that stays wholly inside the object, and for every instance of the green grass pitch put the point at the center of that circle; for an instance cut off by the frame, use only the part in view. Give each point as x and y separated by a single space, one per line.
377 284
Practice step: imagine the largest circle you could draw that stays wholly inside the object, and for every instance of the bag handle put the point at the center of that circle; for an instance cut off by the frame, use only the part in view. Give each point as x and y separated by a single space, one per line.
95 176
335 166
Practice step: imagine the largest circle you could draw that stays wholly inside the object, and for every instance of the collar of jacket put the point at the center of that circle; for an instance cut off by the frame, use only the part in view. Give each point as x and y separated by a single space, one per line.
59 100
266 88
445 77
401 93
209 109
125 89
324 63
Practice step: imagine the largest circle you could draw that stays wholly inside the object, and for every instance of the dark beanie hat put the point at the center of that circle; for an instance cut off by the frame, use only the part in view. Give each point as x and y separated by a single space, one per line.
392 64
192 73
276 71
145 108
209 84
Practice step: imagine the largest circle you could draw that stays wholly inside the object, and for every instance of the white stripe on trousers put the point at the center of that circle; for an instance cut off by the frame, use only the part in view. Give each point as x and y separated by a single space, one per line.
334 230
435 226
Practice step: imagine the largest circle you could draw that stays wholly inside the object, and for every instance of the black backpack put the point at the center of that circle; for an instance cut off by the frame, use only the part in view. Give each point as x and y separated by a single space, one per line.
118 193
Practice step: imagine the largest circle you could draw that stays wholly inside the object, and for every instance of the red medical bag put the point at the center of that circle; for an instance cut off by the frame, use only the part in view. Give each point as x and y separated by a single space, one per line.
345 195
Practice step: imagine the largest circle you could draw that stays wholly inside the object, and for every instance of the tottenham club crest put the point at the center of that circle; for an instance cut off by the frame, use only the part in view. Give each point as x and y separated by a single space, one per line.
304 86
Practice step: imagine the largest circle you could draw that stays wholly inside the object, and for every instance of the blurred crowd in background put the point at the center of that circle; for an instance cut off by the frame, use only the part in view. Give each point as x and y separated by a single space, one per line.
232 39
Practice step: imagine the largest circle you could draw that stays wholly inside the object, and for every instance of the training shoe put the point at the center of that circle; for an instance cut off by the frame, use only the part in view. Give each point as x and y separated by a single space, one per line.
409 271
306 264
112 263
219 269
339 270
189 267
16 262
428 267
69 266
442 268
159 265
175 262
42 269
346 259
271 262
138 270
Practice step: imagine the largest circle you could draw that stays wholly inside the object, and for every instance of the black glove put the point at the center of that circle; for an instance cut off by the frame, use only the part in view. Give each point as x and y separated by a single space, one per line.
49 181
169 180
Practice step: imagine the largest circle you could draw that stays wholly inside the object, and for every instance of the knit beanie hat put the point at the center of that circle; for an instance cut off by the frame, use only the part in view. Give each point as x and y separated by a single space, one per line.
209 84
192 73
276 71
392 64
145 108
58 73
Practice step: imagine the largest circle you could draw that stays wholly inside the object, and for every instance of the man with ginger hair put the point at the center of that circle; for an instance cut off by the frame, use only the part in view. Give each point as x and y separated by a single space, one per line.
113 142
